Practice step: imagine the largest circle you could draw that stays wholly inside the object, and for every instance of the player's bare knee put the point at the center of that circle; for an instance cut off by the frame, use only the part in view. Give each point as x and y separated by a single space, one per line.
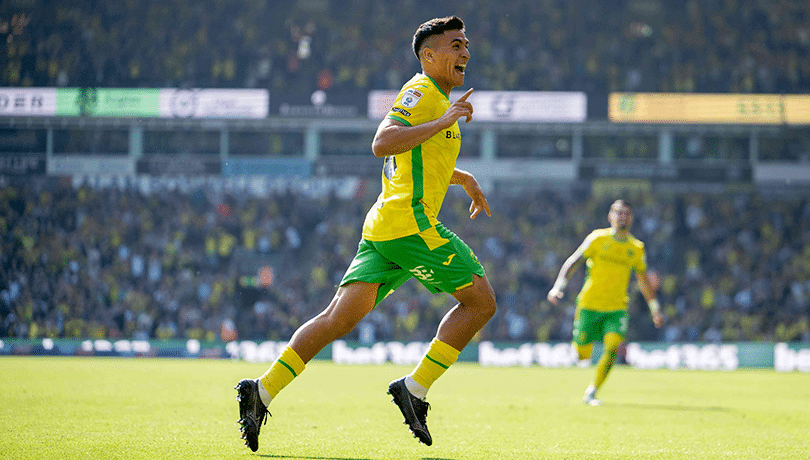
483 309
484 302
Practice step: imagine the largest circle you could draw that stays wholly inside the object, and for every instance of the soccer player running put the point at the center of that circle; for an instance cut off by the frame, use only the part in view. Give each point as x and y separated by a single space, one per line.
402 238
610 255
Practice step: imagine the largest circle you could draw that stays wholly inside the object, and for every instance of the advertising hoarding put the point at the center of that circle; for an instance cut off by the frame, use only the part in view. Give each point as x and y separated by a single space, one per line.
762 109
504 106
134 102
28 102
781 357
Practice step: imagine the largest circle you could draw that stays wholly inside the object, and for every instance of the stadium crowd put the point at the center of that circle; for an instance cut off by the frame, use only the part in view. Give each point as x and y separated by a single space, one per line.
747 46
120 261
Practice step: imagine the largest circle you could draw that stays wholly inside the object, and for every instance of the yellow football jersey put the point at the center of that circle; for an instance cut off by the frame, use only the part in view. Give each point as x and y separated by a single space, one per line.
609 262
414 183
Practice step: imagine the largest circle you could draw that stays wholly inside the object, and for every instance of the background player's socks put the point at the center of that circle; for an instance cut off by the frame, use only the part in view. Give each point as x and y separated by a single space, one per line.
604 366
285 368
612 342
438 358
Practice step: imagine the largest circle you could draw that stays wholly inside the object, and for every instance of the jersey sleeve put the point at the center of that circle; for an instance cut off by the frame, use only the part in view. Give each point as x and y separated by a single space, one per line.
414 105
588 246
641 262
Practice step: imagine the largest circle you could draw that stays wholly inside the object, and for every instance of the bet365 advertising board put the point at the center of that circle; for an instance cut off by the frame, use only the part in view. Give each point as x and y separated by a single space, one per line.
782 357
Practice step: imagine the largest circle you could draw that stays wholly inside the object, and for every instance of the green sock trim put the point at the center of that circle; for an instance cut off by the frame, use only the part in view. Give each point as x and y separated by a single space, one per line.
288 367
437 362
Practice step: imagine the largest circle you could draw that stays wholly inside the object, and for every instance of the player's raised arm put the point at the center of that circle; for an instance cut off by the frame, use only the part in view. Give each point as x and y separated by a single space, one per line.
394 137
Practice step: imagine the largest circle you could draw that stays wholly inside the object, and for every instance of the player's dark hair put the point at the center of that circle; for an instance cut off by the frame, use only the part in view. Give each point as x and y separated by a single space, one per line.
435 26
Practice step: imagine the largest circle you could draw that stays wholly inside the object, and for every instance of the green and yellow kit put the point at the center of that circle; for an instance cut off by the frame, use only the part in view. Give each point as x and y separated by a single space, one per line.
402 236
602 303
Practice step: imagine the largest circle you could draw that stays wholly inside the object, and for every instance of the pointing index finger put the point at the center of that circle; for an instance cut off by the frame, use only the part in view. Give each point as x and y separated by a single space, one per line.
466 95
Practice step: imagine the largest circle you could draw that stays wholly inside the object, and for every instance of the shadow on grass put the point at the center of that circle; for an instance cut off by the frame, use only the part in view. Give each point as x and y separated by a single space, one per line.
312 458
677 407
337 458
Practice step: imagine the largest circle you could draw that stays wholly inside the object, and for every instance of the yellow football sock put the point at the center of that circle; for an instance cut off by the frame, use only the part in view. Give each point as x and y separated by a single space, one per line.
286 367
583 351
612 342
438 358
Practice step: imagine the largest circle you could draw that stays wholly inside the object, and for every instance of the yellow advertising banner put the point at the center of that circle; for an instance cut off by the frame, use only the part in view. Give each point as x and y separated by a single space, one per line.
797 110
763 109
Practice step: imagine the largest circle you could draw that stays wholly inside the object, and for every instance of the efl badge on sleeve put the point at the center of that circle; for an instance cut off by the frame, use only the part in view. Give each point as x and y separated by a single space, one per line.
411 98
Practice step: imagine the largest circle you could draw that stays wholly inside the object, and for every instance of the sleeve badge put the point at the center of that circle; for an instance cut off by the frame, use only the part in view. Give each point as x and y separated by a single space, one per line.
410 98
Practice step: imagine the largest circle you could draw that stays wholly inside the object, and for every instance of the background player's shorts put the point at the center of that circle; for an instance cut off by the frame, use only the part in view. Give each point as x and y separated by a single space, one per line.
436 257
592 325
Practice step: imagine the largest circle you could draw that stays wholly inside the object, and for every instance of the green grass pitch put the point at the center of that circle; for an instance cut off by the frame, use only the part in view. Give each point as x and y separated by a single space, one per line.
127 408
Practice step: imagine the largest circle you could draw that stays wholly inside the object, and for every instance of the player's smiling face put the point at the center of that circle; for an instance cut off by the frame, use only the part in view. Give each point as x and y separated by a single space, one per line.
448 55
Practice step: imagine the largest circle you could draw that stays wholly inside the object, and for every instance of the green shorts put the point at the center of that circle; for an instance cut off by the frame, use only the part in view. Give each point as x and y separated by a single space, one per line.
592 325
447 267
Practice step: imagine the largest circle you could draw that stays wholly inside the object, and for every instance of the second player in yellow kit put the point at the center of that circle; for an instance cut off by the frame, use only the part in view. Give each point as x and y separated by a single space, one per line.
609 261
611 255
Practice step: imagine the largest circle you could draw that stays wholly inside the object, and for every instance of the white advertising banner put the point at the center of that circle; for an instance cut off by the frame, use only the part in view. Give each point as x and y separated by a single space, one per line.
81 165
37 102
214 103
520 106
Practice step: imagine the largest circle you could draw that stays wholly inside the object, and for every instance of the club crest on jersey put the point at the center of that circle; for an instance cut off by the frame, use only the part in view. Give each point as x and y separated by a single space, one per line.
410 98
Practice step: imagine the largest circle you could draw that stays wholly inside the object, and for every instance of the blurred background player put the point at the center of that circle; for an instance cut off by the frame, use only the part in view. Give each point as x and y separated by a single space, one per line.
402 238
610 255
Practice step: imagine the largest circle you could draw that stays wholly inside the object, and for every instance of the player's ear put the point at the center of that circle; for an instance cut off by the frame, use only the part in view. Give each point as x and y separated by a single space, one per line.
427 54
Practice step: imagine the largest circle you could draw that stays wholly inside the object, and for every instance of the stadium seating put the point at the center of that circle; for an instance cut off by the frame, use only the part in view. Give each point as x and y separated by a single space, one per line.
121 262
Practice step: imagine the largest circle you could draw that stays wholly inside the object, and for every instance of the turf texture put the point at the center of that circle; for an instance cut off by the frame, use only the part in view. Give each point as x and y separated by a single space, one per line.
130 408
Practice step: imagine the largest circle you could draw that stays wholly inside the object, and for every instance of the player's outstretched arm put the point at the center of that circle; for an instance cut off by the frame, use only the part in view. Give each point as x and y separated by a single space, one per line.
649 295
473 189
568 268
394 137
